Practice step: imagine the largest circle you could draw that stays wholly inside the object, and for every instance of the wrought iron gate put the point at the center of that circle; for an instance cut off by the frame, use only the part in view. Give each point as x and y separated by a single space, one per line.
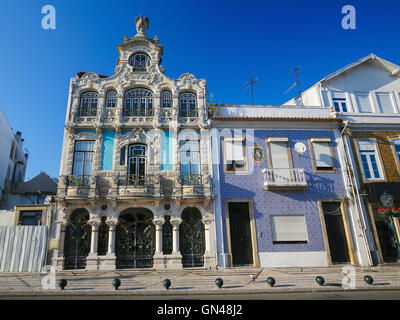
77 241
192 245
135 242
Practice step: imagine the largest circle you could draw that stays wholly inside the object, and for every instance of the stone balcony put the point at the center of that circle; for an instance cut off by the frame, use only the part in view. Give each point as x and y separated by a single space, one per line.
121 186
284 179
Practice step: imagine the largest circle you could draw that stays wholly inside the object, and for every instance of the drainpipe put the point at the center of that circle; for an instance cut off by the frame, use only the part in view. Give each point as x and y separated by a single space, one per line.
354 188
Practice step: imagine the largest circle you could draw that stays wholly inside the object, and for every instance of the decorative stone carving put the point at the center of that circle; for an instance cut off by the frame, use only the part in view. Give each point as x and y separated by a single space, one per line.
141 25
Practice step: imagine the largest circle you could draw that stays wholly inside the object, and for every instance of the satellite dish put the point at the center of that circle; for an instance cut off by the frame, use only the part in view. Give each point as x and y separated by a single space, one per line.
300 147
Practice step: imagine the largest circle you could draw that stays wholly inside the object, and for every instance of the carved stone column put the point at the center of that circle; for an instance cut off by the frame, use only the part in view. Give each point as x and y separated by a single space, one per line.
108 262
92 259
158 258
174 260
209 254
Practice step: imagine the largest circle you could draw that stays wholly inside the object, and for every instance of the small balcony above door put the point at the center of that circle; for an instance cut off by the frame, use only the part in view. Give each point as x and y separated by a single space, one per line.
284 179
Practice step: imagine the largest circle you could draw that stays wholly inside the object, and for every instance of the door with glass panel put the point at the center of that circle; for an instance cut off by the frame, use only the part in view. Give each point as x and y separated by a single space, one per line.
190 162
83 161
136 164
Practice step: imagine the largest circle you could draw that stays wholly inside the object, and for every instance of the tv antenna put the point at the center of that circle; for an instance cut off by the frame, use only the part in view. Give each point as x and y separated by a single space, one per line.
295 71
249 84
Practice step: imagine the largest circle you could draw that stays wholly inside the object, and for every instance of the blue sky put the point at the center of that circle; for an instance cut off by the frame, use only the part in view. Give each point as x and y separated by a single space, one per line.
225 42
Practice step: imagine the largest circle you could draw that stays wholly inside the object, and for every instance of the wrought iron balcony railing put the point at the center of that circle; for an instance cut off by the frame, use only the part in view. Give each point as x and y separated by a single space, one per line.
191 179
78 181
127 112
87 112
284 178
135 180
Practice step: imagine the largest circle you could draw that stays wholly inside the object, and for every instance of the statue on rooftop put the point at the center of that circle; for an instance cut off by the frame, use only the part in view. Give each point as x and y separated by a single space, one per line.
142 24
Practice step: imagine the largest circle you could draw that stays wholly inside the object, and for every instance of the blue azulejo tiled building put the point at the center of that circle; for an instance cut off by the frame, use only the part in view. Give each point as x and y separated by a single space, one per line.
281 188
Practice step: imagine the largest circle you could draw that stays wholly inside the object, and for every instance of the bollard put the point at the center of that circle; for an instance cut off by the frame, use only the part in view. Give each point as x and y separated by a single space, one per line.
271 281
62 283
219 282
320 280
368 279
116 283
167 283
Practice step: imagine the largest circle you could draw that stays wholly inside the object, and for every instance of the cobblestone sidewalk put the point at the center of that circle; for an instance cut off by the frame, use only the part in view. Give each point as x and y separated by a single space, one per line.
195 281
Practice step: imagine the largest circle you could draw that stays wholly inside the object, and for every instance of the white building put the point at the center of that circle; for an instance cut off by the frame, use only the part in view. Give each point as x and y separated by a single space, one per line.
13 160
366 95
135 185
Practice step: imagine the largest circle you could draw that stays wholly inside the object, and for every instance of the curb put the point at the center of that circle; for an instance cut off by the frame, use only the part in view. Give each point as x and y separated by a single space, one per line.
121 292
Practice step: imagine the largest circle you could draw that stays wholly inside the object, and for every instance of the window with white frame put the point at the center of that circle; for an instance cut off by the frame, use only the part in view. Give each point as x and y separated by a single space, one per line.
83 161
363 102
88 104
339 101
166 99
187 105
289 229
138 102
279 152
234 154
369 160
385 103
190 162
323 155
139 61
111 99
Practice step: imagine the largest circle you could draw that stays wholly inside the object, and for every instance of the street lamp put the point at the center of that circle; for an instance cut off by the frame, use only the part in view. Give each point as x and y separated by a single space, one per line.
387 201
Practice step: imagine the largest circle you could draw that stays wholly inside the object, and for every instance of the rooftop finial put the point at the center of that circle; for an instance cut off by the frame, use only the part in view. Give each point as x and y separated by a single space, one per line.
141 25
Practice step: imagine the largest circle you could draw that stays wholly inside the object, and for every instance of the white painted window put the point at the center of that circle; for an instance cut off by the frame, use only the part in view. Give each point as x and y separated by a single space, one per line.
363 102
83 158
234 153
339 101
279 155
385 103
369 160
111 99
323 156
289 229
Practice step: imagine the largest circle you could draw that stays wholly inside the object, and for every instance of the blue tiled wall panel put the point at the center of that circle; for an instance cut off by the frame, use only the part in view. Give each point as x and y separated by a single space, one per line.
302 202
107 151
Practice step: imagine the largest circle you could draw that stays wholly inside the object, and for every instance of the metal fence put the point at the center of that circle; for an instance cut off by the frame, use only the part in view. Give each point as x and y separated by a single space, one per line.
23 248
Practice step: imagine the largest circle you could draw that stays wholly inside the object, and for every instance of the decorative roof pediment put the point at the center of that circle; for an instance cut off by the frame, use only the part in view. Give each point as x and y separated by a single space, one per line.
136 136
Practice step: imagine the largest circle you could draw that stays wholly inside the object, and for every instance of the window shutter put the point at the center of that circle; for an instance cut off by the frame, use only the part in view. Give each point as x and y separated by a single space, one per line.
363 101
322 153
279 155
384 102
234 149
289 228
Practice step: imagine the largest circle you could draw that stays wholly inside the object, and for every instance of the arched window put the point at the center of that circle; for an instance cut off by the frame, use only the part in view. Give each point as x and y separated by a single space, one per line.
88 104
192 238
166 99
138 102
139 61
111 99
187 105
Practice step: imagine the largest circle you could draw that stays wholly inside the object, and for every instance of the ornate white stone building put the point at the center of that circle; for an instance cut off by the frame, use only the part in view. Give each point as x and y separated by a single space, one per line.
135 185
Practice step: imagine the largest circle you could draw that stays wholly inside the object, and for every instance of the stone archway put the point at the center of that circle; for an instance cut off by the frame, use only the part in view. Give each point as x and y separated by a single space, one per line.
77 240
135 239
192 238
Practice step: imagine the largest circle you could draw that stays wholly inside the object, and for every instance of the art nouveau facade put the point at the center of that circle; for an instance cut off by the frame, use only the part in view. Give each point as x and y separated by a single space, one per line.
135 185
